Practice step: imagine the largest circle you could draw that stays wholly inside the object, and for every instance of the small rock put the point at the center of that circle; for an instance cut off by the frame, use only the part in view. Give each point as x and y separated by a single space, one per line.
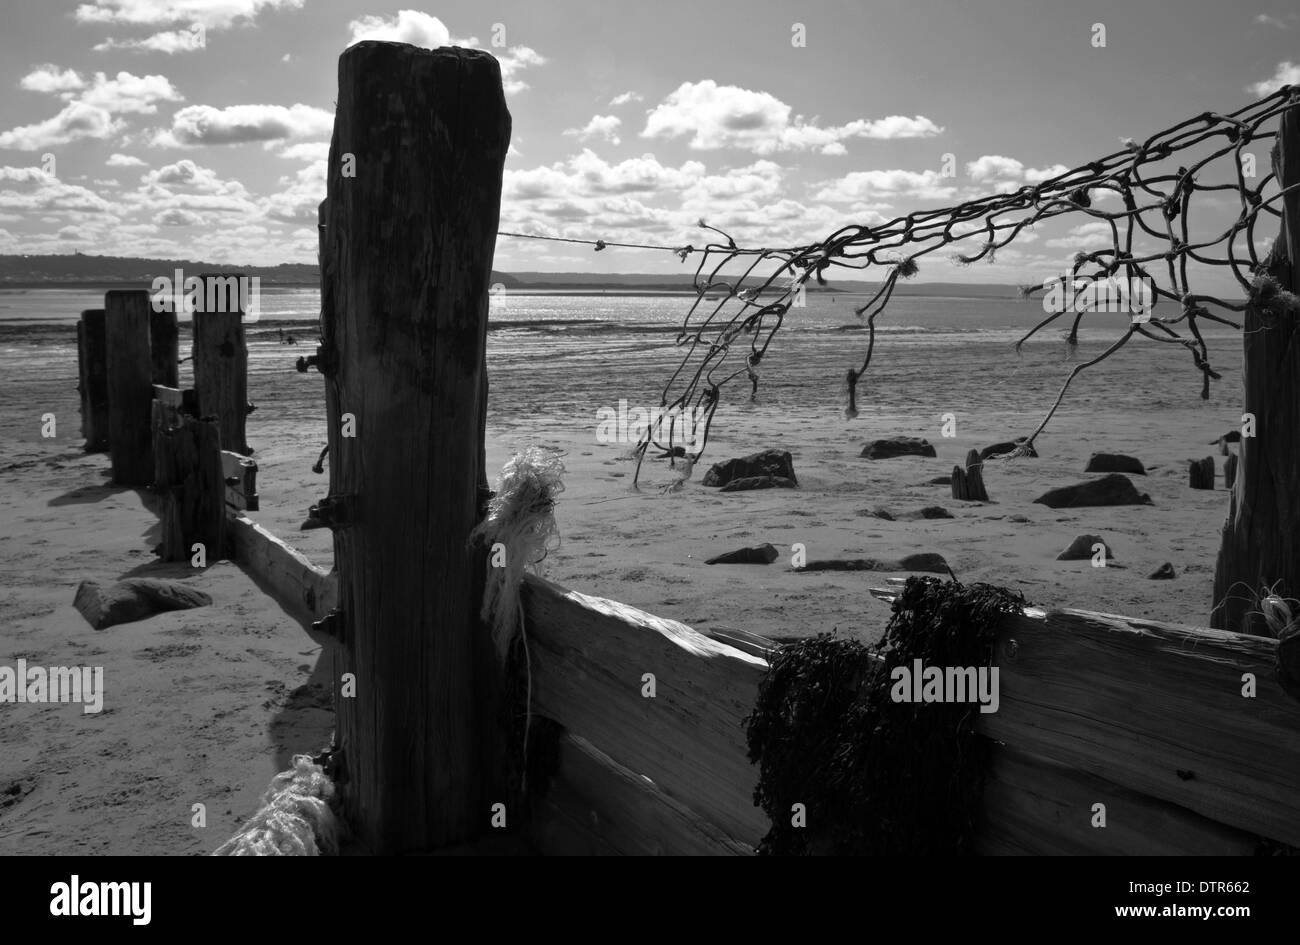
1165 572
1083 548
879 511
935 511
897 446
758 482
1002 449
940 481
761 554
1114 489
1022 519
766 463
134 599
1115 463
922 561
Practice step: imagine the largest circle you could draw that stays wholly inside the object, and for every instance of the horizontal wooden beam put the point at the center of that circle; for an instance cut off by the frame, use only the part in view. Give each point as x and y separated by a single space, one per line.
306 590
240 475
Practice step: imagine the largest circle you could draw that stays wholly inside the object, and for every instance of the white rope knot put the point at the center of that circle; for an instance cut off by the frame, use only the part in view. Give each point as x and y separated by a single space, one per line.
295 818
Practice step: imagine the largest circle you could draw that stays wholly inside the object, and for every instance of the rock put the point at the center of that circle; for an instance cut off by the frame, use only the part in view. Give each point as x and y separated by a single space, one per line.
1115 463
1002 449
1083 548
758 482
930 511
922 561
1115 489
897 446
760 554
764 464
940 481
1232 436
134 599
879 511
935 511
1165 572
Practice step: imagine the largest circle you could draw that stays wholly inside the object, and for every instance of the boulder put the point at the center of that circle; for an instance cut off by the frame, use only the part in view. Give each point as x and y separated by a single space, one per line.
1082 549
758 482
764 464
897 446
134 599
1165 572
760 554
1002 449
1115 489
1115 463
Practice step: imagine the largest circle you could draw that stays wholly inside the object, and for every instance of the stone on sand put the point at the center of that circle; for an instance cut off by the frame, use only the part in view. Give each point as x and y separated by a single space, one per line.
928 561
1114 489
897 446
756 465
760 554
134 599
1115 463
758 482
1083 548
1165 572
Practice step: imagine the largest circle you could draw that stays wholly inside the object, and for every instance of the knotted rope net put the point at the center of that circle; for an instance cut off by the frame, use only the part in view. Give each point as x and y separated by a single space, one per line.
1143 196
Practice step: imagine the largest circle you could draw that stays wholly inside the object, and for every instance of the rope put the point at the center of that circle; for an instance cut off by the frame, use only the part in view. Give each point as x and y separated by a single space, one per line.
295 818
682 251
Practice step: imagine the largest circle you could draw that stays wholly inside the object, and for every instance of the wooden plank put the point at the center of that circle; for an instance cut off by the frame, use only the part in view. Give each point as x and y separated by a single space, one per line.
221 363
240 479
93 379
1137 702
130 390
304 589
589 658
1036 807
170 396
627 812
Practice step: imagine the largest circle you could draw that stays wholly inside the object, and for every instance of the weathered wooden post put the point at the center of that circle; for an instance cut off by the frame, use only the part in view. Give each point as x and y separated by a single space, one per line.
410 223
221 358
164 347
1200 473
968 483
1230 470
93 384
191 486
1260 551
130 390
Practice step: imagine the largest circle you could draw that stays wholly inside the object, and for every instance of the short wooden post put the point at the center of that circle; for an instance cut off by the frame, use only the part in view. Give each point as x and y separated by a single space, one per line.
1200 474
221 358
191 486
93 383
968 483
1230 471
407 255
164 347
130 389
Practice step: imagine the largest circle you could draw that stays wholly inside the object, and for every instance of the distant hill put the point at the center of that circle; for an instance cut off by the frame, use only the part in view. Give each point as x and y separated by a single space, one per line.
80 269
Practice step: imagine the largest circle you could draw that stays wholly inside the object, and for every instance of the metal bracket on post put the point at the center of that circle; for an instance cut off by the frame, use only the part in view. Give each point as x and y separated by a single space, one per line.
335 511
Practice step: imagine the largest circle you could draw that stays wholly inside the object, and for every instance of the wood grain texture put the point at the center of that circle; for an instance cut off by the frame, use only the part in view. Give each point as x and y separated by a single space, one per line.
307 591
164 347
130 386
221 366
407 256
92 385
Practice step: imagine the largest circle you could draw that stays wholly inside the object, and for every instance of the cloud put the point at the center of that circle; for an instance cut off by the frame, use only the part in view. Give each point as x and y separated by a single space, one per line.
50 78
186 175
624 97
1265 19
429 32
883 186
76 122
124 160
721 116
217 14
240 124
168 41
298 198
178 217
600 126
49 195
306 151
1287 74
127 93
1004 173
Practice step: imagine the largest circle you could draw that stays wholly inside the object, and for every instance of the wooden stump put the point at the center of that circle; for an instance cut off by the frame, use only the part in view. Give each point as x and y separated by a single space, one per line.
1201 473
968 483
1230 471
130 388
192 490
1261 537
164 348
408 245
93 384
221 362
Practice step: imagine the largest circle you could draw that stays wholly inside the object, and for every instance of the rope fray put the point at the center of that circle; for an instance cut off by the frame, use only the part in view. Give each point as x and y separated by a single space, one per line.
519 527
295 819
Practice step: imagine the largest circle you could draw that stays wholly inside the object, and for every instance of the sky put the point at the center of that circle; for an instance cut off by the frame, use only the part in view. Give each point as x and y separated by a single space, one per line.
191 129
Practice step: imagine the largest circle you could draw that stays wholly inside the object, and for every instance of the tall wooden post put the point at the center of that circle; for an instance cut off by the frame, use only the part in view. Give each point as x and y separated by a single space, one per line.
130 387
221 359
414 188
164 347
1260 552
93 384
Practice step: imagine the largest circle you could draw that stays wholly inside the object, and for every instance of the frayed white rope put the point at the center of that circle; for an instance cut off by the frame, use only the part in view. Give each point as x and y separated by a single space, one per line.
295 818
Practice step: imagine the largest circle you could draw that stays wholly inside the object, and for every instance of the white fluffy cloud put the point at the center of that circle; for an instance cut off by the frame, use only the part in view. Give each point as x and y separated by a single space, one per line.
1286 74
600 126
1004 173
240 124
128 94
168 41
881 187
716 116
77 121
623 98
124 160
218 14
50 78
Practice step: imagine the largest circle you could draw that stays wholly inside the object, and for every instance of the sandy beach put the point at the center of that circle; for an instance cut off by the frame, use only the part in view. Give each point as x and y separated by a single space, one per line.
178 730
